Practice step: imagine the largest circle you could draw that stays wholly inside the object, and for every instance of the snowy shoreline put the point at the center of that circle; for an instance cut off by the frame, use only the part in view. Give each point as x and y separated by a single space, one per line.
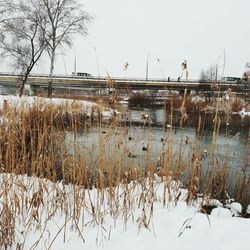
82 106
151 213
145 225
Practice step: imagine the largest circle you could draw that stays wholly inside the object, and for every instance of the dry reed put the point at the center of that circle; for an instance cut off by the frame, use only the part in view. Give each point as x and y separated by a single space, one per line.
33 143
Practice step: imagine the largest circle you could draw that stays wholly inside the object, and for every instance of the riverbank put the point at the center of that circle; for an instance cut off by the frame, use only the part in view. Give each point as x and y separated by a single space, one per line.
150 214
63 191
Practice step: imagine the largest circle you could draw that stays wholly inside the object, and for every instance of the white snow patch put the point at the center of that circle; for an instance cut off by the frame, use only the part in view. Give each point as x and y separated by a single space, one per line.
29 101
173 226
235 208
248 209
221 212
214 202
244 113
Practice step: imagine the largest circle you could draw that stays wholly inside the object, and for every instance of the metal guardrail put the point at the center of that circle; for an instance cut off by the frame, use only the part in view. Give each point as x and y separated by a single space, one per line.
104 78
134 79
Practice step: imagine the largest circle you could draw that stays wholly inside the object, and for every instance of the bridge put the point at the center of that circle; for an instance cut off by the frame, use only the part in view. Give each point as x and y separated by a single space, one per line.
40 81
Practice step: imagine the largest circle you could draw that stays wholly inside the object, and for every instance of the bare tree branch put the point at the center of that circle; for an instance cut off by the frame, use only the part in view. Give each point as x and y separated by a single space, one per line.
66 19
28 28
23 38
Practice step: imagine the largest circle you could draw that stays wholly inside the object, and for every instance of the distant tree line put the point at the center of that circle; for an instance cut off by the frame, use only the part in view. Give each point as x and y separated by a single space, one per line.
30 28
211 74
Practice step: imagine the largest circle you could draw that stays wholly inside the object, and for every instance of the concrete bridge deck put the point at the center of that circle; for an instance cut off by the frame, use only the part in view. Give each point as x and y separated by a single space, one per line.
62 81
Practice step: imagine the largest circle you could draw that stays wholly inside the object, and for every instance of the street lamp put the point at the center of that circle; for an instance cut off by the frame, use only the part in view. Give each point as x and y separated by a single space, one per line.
147 67
64 64
97 62
162 74
216 69
75 62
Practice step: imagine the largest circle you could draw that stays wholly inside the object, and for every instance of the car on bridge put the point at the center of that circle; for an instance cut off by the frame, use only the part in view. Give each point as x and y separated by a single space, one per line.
82 75
231 79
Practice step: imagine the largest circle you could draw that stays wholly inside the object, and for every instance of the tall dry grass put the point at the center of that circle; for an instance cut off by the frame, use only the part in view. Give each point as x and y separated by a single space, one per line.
33 142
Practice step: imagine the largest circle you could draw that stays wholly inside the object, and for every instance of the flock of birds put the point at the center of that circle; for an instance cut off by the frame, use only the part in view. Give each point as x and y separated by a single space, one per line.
147 120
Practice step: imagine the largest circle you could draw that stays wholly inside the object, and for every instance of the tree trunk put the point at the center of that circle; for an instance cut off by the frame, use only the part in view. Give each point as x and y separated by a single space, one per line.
22 83
52 62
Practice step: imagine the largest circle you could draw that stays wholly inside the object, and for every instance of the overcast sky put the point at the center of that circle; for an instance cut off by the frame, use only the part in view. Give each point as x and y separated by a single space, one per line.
198 31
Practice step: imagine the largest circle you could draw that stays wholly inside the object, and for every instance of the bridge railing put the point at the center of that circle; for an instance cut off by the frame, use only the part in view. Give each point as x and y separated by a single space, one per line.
122 79
134 79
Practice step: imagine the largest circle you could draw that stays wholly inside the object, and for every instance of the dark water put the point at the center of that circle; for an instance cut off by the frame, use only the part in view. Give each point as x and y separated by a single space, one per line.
231 143
137 144
7 90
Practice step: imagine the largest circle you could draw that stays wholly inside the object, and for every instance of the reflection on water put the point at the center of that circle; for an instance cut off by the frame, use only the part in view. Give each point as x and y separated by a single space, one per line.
230 125
134 139
7 91
142 145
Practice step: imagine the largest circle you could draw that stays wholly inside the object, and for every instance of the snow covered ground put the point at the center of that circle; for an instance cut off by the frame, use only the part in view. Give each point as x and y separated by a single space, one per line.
82 106
48 218
31 100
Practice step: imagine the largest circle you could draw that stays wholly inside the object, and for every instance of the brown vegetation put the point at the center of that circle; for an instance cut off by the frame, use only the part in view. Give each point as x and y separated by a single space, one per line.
33 142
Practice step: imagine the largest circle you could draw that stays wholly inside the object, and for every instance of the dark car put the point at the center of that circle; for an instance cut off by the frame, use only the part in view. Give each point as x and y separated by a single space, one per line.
82 74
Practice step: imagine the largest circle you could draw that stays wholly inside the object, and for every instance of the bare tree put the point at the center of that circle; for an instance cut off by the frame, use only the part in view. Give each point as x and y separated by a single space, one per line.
66 18
23 39
246 74
209 75
6 7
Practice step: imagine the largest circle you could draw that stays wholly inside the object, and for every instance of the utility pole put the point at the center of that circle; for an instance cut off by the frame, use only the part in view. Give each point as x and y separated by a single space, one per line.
216 72
98 69
64 64
162 74
75 62
217 67
97 62
147 67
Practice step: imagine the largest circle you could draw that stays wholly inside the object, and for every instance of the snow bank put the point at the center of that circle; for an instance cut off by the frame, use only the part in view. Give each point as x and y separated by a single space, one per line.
248 209
29 101
221 212
139 225
34 100
236 208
